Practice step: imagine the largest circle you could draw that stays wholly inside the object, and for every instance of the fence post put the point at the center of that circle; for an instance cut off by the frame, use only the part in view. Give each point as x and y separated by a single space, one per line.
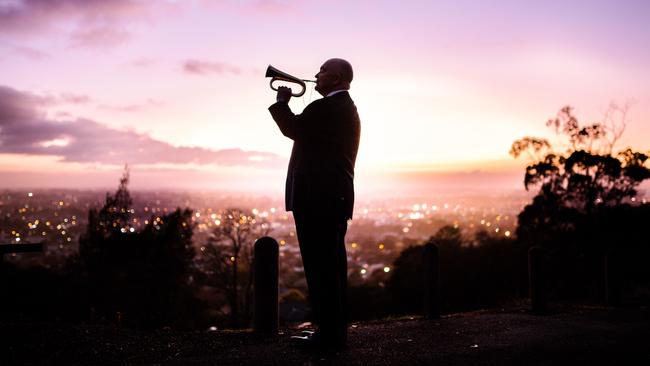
612 279
537 279
265 282
431 281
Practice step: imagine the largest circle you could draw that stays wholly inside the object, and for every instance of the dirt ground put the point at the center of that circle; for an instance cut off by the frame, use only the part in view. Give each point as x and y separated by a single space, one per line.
571 335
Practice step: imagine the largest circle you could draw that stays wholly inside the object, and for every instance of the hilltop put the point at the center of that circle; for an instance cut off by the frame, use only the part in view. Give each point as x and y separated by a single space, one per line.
570 335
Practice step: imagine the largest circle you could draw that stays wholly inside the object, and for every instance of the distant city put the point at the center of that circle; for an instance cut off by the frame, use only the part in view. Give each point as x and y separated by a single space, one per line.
381 229
58 218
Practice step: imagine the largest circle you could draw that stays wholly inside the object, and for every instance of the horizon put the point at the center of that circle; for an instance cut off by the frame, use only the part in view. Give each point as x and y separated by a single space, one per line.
176 90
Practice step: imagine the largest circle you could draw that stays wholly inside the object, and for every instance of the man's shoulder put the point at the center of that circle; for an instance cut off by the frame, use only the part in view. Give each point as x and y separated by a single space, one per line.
338 99
340 96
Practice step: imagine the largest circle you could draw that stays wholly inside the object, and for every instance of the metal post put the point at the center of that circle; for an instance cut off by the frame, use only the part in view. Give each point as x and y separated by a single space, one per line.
612 280
537 280
431 281
265 272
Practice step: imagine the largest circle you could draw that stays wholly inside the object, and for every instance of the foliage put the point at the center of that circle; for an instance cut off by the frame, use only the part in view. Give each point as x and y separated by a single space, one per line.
585 191
582 180
483 272
227 259
144 275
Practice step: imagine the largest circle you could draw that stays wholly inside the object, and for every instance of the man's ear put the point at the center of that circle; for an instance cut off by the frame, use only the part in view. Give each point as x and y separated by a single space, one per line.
339 79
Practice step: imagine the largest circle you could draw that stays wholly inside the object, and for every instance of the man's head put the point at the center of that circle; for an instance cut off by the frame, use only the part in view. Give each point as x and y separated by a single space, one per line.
335 74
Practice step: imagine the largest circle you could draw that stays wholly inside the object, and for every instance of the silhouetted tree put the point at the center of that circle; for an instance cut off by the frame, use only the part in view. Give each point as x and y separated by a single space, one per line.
580 184
106 223
576 183
143 275
474 273
228 257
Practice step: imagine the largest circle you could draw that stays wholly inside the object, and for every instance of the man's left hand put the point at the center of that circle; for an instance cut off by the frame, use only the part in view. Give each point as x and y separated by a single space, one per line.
284 94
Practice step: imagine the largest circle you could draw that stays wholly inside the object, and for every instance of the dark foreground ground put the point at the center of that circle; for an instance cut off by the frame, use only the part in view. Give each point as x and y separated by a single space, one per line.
575 335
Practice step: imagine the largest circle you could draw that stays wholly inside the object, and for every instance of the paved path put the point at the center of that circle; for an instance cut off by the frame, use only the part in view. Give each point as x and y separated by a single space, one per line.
571 336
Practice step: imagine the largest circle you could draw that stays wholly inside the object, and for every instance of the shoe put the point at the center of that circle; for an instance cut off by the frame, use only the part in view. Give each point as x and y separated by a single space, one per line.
307 341
314 341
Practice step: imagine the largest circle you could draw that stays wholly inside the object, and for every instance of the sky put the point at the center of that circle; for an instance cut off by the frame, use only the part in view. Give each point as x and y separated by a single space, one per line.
176 89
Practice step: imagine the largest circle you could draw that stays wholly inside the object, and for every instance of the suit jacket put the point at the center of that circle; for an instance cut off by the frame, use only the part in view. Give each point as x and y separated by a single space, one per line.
325 143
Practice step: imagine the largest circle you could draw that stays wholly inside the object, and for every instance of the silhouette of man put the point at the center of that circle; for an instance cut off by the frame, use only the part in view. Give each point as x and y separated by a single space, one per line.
320 192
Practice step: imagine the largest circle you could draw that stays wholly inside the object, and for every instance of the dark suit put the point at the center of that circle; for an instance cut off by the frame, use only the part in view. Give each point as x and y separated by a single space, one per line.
320 192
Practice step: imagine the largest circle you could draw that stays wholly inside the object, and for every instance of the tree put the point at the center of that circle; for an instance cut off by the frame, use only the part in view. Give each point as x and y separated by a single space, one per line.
228 258
108 222
580 181
144 274
585 188
490 272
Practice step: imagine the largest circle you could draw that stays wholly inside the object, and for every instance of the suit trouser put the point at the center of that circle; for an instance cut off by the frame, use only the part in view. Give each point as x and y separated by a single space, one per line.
321 236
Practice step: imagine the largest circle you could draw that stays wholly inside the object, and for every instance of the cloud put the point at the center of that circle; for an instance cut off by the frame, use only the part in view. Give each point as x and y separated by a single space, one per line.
102 36
30 53
274 6
142 62
69 98
32 16
26 129
131 108
87 23
260 7
200 67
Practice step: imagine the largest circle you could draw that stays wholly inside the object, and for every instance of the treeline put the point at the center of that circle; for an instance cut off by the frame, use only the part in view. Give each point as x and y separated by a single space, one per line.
120 276
475 273
611 248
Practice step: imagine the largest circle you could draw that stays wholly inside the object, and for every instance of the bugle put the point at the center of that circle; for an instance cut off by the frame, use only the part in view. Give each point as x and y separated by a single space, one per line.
277 75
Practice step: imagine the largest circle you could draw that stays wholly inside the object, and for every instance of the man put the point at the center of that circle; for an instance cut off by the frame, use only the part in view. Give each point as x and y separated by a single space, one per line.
320 192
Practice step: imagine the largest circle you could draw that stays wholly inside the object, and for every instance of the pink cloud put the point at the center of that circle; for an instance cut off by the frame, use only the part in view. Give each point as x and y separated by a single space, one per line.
74 98
102 36
263 7
30 53
30 16
131 108
142 62
200 67
24 129
273 6
93 23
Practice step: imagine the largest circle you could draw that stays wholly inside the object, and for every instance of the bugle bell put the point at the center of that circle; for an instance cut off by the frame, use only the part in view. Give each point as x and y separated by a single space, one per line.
277 75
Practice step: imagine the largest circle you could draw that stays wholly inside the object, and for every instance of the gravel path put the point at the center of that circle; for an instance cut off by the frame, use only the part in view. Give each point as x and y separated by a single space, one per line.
572 335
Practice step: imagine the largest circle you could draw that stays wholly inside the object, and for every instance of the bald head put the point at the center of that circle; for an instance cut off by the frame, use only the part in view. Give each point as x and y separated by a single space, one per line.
335 74
343 68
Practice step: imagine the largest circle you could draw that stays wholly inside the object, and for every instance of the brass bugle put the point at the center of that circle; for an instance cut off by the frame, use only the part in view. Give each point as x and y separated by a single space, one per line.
277 75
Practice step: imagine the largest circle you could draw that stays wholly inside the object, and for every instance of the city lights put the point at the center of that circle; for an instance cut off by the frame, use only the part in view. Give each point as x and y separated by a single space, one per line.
402 220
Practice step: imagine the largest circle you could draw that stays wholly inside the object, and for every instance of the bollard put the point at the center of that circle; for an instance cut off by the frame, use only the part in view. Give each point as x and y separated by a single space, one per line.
431 281
537 280
265 277
612 280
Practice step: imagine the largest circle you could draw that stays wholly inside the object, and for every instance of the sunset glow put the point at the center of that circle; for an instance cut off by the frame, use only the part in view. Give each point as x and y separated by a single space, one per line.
176 89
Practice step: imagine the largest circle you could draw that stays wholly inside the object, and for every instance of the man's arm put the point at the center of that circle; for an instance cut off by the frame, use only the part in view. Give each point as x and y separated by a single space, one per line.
285 119
282 114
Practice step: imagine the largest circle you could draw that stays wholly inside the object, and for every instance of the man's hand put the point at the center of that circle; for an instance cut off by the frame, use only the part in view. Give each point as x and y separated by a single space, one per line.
284 94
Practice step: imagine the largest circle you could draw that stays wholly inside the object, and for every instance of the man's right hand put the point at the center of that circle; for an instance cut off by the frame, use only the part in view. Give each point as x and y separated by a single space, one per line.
284 94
